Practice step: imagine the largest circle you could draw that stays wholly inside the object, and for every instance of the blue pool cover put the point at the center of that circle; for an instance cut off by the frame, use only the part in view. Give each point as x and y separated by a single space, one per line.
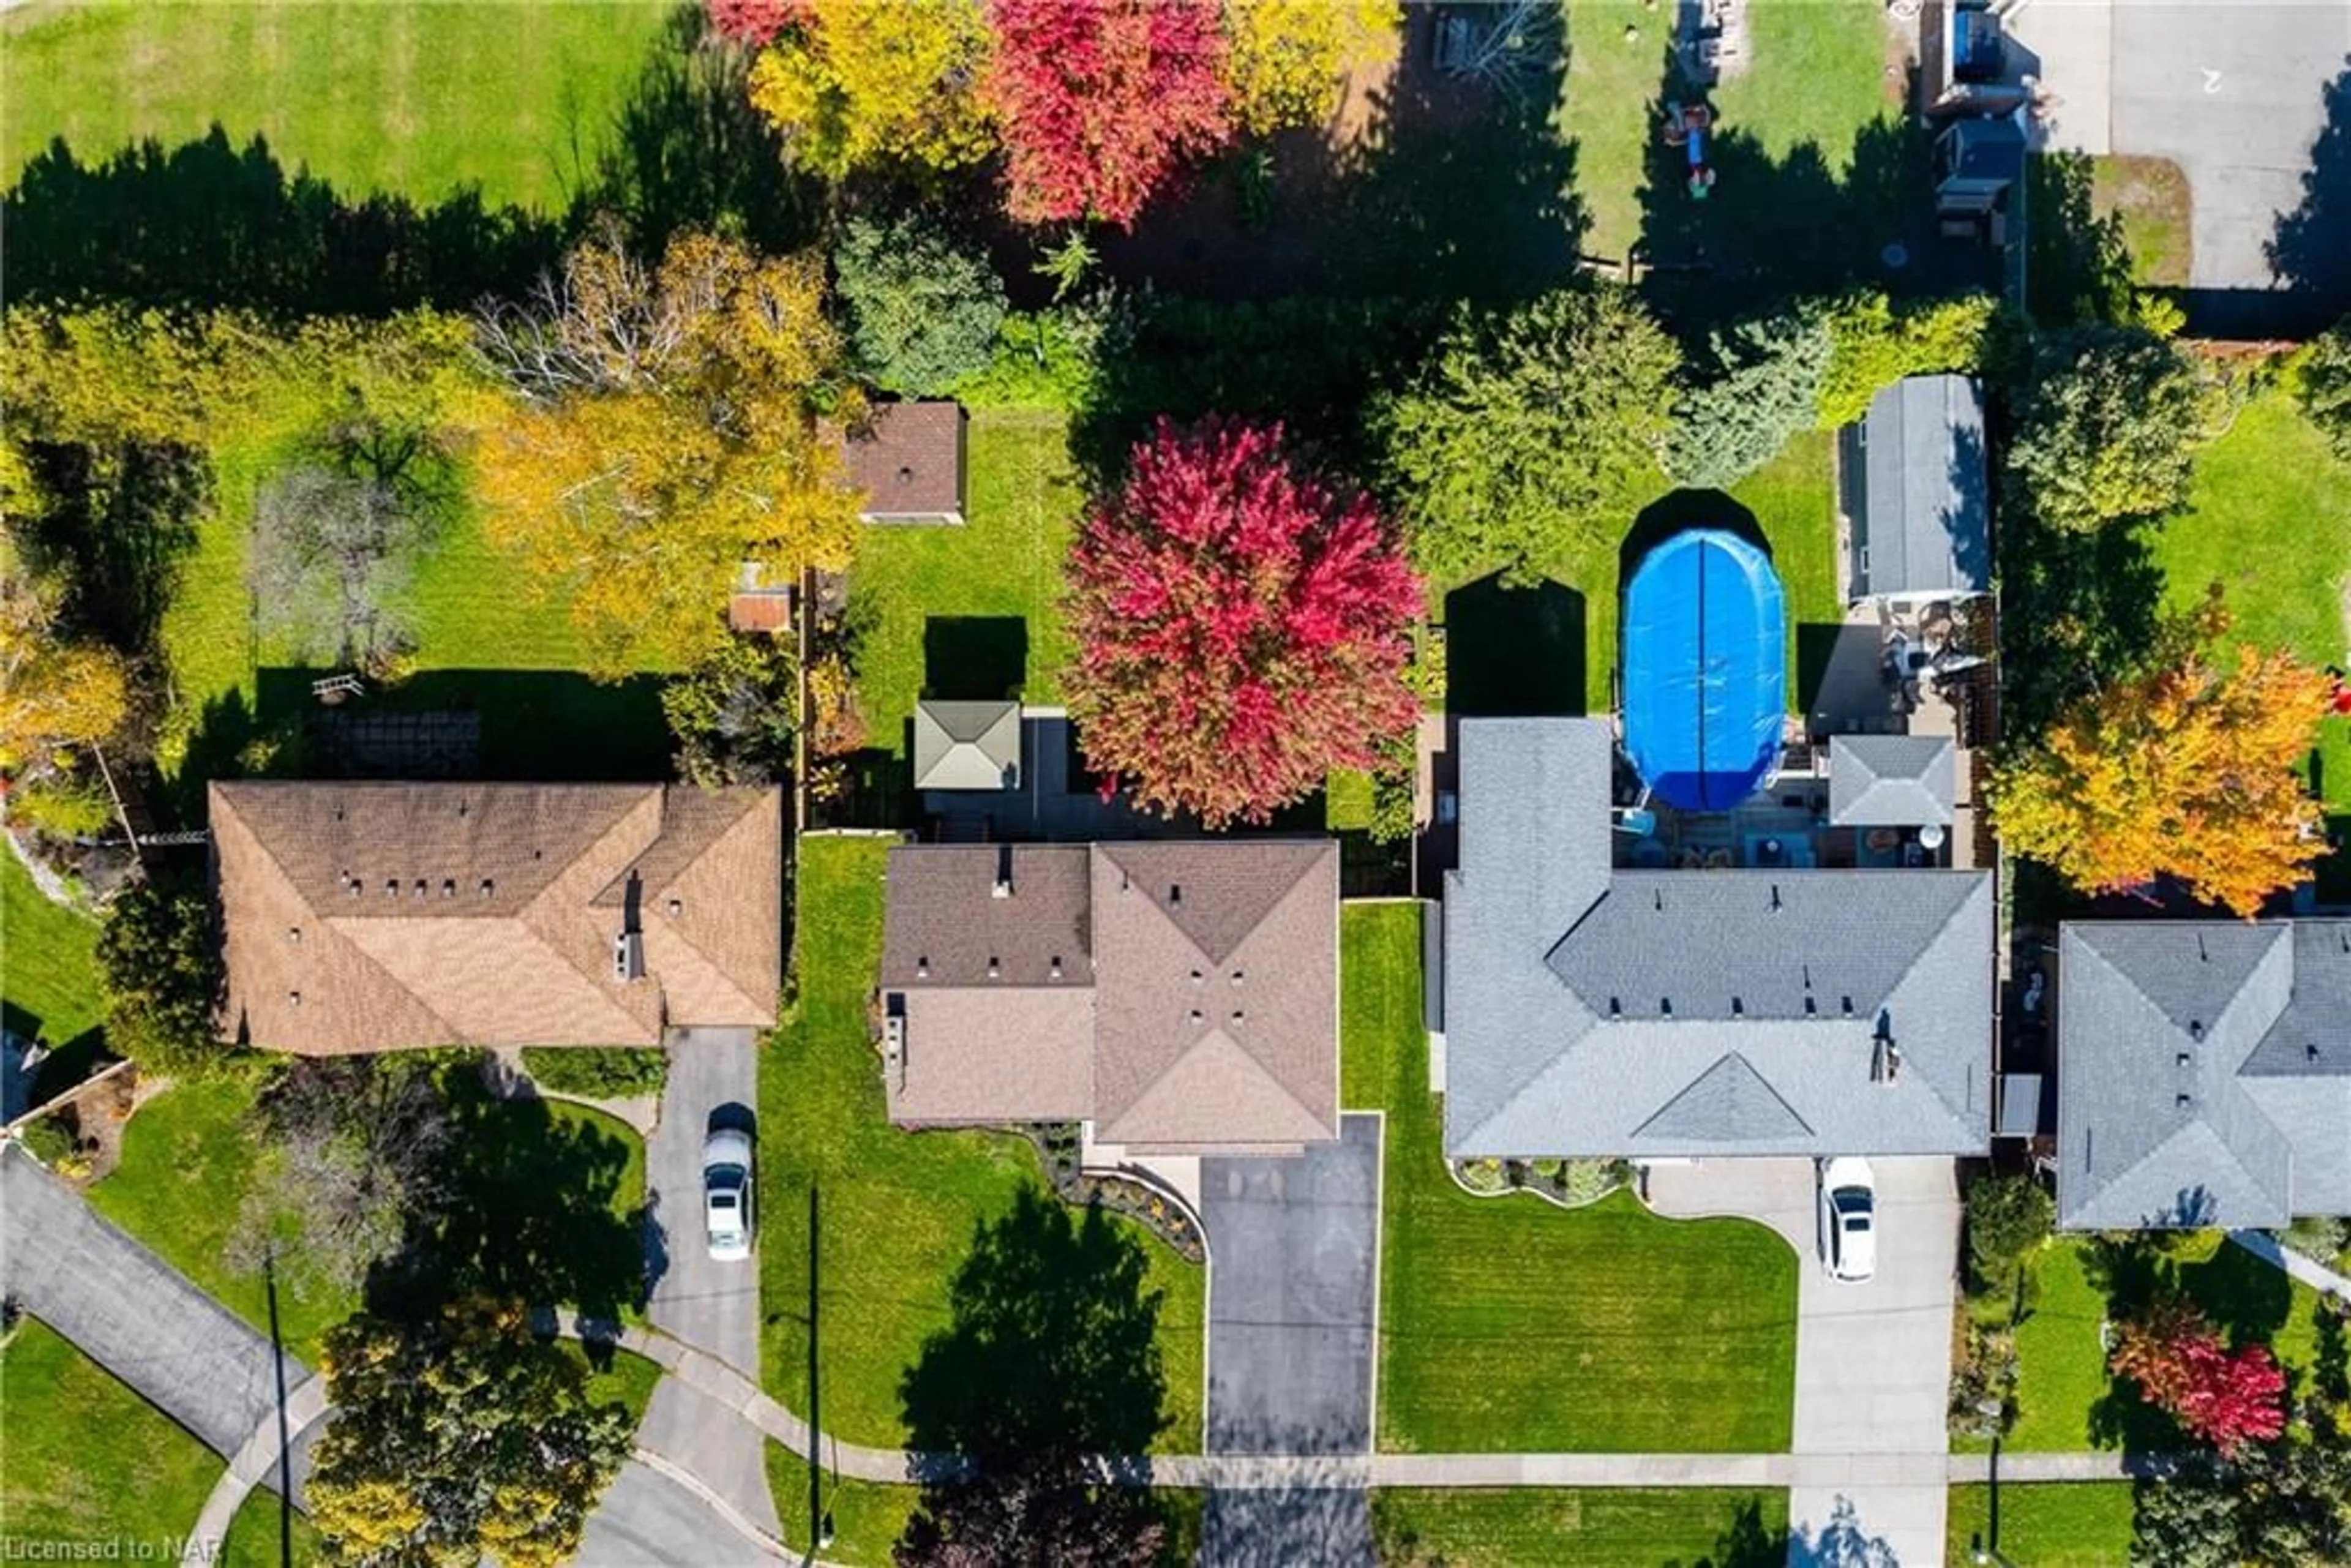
1705 669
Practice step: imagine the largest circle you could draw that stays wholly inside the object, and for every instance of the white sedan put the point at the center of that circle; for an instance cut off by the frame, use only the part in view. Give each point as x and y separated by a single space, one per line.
1848 1218
726 1194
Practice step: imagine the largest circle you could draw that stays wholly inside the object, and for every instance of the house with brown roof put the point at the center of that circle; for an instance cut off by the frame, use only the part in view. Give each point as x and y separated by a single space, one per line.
908 458
1181 996
362 916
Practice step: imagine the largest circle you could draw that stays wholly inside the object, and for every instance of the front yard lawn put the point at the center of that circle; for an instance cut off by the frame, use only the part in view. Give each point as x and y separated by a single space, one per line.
899 1209
2080 1524
1590 1527
189 1158
1507 1323
253 1539
2067 1400
87 1460
404 98
972 612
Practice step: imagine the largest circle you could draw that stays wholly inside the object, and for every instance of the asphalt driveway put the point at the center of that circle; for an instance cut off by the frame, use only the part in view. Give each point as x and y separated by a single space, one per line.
714 1078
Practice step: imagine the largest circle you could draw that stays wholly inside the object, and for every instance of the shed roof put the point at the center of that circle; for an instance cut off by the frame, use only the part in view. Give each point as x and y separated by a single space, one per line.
2207 1072
1923 522
1590 1012
967 744
908 458
1891 780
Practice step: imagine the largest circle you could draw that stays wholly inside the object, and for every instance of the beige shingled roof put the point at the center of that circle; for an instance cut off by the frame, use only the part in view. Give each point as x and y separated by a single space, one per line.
367 917
1183 995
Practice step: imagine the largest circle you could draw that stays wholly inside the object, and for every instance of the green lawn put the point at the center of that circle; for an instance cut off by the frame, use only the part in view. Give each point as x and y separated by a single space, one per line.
939 605
1508 1323
899 1209
2062 1365
414 99
1590 1527
48 962
2085 1524
867 1516
2269 520
253 1536
188 1160
86 1459
1815 74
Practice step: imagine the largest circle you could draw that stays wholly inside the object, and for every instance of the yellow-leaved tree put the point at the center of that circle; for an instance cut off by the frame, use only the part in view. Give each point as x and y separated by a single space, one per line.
2183 769
1284 59
864 82
661 430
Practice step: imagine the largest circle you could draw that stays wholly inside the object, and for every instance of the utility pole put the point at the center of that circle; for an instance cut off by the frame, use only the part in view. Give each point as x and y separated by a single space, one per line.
819 1523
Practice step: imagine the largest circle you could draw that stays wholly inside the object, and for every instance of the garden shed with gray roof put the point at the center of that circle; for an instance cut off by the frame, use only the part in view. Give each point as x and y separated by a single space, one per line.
2205 1073
1914 488
967 745
1892 780
1591 1011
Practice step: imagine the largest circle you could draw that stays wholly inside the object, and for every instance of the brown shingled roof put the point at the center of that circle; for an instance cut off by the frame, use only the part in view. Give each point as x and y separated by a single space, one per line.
365 917
908 459
1146 1028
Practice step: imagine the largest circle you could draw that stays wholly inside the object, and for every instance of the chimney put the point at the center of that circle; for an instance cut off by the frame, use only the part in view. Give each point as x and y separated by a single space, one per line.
1174 893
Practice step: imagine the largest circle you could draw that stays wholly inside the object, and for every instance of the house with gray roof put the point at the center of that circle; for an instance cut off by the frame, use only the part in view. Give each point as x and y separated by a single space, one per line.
1914 494
1892 780
2205 1073
1590 1011
1182 997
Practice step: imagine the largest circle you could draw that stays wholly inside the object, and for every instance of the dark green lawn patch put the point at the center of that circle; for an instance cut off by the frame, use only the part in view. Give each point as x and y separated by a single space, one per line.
1507 1323
86 1459
255 1540
596 1071
899 1210
49 985
975 609
1521 1527
2082 1524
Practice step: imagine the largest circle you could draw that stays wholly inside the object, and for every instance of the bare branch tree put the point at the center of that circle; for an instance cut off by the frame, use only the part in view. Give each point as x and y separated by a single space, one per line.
333 554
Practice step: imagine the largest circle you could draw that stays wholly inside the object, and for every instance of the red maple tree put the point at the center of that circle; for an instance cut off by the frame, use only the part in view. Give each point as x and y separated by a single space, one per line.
1098 101
1242 626
756 21
2181 1365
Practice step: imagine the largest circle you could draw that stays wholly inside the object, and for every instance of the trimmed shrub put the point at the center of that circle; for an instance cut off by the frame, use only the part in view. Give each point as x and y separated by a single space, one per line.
597 1071
1875 343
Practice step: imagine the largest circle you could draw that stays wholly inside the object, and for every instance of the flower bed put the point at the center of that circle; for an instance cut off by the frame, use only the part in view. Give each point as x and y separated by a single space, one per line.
1570 1183
1058 1145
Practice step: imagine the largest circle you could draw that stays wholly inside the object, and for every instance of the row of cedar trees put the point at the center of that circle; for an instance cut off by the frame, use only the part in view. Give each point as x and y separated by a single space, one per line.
1092 104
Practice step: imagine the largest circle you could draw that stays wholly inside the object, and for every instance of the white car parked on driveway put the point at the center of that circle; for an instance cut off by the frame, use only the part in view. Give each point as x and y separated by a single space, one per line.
727 1193
1848 1218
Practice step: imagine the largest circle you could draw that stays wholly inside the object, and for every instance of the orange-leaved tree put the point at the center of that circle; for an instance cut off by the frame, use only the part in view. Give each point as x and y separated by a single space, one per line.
662 430
2183 768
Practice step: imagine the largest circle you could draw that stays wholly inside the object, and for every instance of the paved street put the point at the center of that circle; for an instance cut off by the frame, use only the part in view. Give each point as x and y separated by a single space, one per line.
648 1518
712 1306
130 1311
1873 1359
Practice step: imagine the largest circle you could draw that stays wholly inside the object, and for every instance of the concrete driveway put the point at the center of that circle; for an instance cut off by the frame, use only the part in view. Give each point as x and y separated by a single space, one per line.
715 1307
1873 1359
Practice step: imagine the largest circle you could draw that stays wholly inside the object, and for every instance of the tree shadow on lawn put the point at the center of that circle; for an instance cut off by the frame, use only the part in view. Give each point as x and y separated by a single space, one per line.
2073 607
530 1214
1050 1356
119 528
1514 651
1422 185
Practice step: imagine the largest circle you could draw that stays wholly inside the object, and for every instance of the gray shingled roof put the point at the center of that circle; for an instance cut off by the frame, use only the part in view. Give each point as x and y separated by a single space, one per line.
2205 1072
1598 1013
1891 780
967 744
1919 511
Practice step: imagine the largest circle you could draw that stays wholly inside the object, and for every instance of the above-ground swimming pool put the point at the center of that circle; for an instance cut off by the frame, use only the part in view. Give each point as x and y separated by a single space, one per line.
1705 649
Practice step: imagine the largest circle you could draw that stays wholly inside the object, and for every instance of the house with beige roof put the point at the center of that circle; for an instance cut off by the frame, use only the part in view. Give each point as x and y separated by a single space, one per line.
371 916
1181 997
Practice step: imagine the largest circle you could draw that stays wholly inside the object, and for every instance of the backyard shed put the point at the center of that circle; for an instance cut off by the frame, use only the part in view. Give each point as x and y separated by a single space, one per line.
967 745
908 458
1914 490
1892 780
1705 669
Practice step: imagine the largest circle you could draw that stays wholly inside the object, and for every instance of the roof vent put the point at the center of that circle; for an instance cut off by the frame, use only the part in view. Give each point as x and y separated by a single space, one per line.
2185 1059
906 476
338 810
995 968
448 887
2196 1028
1175 893
1053 970
1616 1008
1195 1015
1775 898
1848 1006
461 806
1003 888
2183 1100
2310 1052
537 854
1811 1006
1738 1008
391 887
1197 977
420 887
1237 1015
352 887
1237 976
676 907
1665 1006
294 933
922 966
489 886
293 998
1658 893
